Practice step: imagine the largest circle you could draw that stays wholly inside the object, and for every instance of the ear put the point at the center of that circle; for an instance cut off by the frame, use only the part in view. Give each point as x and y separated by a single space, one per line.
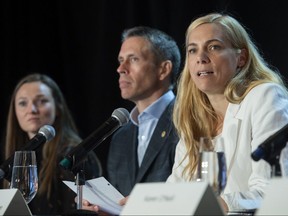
165 69
243 55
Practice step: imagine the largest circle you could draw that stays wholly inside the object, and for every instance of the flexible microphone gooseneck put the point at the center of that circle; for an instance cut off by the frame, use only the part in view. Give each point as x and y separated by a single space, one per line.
118 118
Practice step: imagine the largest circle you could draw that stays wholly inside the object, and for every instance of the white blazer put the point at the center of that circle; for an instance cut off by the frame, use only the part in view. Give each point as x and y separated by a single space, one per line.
262 113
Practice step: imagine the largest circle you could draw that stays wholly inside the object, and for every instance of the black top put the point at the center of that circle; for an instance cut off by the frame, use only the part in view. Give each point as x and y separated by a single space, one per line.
62 198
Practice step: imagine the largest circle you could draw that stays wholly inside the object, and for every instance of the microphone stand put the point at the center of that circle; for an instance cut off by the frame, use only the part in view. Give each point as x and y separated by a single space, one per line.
80 181
79 173
275 168
78 170
274 161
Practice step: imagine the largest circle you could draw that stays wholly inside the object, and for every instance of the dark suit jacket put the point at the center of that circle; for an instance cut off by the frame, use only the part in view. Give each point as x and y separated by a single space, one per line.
122 165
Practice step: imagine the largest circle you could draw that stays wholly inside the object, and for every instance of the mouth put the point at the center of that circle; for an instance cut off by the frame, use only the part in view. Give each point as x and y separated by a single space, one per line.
204 73
33 118
123 84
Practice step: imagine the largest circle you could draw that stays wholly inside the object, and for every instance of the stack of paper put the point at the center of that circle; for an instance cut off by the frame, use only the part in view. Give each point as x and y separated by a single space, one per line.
100 192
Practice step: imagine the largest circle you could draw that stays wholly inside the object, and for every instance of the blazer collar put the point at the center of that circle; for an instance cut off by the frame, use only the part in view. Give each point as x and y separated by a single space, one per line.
230 132
235 110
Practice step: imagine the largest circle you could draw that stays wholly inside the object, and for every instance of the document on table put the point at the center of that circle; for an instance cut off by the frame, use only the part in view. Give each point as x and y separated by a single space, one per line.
100 192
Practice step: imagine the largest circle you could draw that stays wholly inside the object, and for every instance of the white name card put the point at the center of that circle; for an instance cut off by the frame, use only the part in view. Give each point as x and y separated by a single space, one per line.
275 201
13 203
195 198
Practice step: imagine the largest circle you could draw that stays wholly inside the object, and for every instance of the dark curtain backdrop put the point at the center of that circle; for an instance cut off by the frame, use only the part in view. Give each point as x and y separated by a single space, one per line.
77 43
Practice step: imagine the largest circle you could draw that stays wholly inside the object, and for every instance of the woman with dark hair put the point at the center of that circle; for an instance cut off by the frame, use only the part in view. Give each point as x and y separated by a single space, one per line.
36 101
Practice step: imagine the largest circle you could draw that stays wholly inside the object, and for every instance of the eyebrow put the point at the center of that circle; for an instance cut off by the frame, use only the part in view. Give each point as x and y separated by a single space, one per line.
206 42
37 96
128 56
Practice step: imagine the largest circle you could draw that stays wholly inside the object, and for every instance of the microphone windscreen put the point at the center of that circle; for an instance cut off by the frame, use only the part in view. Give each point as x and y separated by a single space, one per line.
122 115
48 131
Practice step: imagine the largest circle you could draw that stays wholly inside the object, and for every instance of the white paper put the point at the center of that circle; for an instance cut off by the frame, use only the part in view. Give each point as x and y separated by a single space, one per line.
100 192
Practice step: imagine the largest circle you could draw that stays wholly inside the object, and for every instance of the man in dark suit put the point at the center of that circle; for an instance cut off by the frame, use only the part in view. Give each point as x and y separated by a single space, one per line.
143 150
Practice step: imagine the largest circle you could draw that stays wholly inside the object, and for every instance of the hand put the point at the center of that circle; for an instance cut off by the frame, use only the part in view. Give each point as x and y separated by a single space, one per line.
223 204
88 206
123 201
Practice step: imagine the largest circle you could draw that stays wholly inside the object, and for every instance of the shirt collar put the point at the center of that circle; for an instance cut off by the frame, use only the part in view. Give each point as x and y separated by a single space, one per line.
155 109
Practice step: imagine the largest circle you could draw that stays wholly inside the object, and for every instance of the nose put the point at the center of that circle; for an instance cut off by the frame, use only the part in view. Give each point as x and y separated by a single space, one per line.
202 58
33 108
122 68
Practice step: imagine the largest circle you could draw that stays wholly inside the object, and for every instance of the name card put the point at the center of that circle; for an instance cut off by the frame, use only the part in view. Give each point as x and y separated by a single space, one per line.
275 199
13 203
195 198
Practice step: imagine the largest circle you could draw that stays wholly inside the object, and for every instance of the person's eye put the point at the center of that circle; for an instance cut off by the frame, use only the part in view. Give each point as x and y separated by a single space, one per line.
191 50
42 101
22 103
133 59
120 61
214 47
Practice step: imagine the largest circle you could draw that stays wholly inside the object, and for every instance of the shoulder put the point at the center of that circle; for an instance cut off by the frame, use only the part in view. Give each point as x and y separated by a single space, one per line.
123 132
262 98
125 128
167 113
266 93
265 99
267 88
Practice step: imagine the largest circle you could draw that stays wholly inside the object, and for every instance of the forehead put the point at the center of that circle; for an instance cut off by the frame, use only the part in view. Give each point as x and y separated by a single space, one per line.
206 32
135 44
33 89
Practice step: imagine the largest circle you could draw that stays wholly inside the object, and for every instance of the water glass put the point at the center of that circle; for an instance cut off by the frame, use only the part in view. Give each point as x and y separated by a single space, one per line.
24 174
212 163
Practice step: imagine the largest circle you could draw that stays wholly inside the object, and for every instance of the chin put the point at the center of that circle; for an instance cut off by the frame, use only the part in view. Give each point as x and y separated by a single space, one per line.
34 128
125 96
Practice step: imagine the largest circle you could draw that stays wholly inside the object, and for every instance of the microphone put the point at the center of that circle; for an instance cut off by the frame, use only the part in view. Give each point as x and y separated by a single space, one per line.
45 134
118 118
271 148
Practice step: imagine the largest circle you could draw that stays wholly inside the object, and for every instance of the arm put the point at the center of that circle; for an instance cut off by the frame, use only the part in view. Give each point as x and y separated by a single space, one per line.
265 111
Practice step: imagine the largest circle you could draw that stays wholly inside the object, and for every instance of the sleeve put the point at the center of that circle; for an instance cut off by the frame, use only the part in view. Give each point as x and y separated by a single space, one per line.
179 164
268 108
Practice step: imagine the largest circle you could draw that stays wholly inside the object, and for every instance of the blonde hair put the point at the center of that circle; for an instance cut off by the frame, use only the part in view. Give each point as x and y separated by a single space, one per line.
193 114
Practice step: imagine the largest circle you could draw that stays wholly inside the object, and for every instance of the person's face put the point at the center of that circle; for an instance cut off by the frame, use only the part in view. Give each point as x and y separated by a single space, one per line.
139 76
34 107
212 61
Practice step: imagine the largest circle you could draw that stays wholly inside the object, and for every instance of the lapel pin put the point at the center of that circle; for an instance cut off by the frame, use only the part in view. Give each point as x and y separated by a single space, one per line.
163 134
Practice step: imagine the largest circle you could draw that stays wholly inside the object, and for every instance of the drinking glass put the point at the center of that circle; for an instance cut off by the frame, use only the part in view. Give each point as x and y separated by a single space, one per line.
24 174
212 163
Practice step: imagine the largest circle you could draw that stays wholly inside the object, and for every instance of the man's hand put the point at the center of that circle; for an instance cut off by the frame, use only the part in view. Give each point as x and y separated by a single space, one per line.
223 204
88 206
123 201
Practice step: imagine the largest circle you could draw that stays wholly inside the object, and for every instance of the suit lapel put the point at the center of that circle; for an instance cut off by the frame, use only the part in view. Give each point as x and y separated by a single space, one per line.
132 153
157 141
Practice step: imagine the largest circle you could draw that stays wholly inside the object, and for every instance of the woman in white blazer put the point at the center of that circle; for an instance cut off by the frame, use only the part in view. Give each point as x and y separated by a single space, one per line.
227 89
